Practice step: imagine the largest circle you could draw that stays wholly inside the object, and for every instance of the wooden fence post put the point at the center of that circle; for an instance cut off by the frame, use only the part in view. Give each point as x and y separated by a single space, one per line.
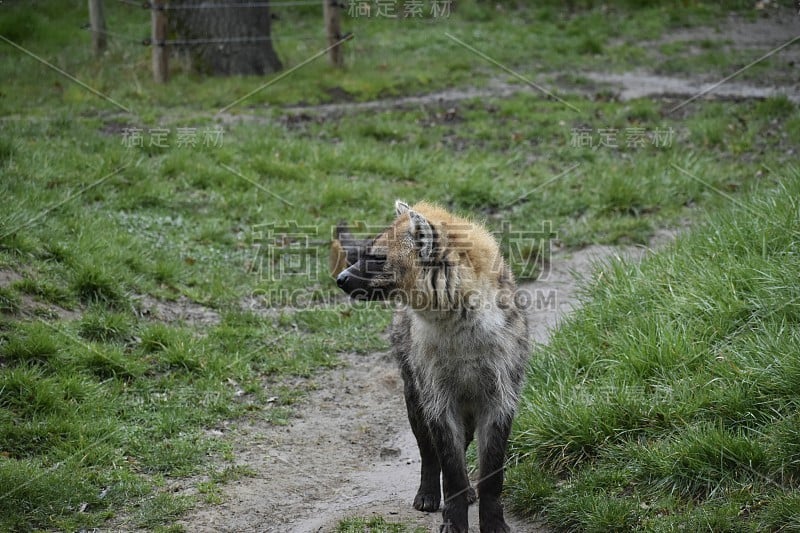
97 21
330 10
158 38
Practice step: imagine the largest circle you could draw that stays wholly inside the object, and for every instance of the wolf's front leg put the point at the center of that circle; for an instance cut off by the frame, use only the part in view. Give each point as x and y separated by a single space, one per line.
450 448
492 442
429 494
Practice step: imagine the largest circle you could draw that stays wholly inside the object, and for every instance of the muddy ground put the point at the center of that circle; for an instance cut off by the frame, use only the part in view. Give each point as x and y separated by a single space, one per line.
349 450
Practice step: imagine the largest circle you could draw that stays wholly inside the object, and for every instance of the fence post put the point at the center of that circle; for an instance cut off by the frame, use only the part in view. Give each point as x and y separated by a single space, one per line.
330 10
97 20
158 38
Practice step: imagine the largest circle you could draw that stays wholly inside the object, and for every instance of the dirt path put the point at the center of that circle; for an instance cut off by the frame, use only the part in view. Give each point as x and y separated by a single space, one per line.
350 451
625 86
773 29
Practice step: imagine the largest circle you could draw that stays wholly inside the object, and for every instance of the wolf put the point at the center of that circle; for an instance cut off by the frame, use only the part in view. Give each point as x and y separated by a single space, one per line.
460 336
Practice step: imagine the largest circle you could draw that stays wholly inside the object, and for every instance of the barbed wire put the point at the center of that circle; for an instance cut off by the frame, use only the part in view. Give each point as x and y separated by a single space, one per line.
146 4
143 5
240 40
147 41
238 5
288 3
144 40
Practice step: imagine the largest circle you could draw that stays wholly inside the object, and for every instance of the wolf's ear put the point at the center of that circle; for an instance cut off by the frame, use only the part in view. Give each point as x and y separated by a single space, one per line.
423 234
400 207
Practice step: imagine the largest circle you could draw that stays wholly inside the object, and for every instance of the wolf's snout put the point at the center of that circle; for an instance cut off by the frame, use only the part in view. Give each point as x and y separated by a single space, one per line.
341 279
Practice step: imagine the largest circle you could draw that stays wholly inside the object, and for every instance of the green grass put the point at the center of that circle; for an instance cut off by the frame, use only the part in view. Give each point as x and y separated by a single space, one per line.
103 403
381 61
670 399
100 405
374 525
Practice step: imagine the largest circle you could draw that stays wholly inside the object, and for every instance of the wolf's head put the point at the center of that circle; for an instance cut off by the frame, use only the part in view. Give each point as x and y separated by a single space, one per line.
425 258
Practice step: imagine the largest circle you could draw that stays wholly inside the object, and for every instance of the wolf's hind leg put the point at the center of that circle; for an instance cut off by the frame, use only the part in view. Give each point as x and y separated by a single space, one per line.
492 441
449 441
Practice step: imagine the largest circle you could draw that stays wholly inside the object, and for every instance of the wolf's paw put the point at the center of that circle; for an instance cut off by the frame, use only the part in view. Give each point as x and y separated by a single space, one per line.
472 496
449 527
495 527
427 501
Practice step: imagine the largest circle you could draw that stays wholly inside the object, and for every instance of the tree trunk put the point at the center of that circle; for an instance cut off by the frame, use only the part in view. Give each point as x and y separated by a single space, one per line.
241 37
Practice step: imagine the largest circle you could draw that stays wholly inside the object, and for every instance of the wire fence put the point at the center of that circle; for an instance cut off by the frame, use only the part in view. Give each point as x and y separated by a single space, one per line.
160 28
118 36
163 26
148 41
232 5
239 5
